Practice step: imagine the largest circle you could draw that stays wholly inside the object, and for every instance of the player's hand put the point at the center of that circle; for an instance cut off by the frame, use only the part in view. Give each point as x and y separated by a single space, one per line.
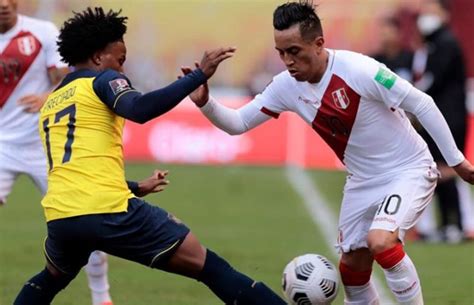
33 103
200 96
465 170
211 59
153 184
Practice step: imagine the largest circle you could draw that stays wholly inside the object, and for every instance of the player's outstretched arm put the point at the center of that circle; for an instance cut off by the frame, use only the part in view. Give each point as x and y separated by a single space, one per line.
232 121
153 184
116 91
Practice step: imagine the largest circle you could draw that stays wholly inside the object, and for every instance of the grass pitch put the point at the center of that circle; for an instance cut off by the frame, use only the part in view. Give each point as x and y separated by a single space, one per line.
249 215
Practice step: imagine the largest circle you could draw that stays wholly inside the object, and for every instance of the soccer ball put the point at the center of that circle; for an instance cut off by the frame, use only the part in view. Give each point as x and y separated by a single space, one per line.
310 279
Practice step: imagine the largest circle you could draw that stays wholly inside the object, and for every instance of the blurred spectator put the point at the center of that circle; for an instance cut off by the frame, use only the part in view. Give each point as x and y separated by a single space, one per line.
391 52
439 70
262 75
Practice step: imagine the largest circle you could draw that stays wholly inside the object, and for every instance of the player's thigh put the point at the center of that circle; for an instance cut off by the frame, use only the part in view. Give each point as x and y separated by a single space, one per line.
405 199
8 174
36 168
7 179
70 242
358 207
145 234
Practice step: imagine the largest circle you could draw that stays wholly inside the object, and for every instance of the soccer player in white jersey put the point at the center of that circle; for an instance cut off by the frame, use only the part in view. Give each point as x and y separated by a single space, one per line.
358 107
29 68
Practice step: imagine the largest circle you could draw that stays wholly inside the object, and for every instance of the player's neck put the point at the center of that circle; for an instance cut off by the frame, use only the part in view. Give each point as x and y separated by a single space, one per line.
322 69
86 66
8 26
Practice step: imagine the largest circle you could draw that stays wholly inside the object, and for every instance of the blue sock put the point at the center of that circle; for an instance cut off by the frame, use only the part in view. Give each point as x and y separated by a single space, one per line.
42 288
233 287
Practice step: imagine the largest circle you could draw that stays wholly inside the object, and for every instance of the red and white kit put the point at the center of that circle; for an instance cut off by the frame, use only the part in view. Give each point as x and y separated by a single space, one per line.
27 51
358 109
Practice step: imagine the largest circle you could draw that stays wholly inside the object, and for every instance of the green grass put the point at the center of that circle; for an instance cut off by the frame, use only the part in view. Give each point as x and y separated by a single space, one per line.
249 215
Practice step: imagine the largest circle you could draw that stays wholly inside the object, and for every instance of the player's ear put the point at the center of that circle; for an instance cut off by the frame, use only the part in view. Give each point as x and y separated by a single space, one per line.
97 58
319 43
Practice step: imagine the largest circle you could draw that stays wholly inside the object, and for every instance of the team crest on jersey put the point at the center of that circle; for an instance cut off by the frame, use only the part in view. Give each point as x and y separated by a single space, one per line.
340 98
27 45
119 85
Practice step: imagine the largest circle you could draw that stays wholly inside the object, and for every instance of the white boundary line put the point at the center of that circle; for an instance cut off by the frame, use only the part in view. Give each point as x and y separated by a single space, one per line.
323 217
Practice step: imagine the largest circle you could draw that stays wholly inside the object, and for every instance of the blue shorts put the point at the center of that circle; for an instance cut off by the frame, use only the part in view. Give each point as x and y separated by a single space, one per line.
145 234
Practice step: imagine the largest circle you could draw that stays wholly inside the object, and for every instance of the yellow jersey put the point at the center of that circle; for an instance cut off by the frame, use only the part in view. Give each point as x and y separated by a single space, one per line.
82 139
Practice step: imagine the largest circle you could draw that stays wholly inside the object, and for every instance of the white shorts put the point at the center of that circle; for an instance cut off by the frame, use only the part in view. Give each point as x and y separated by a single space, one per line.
22 159
387 203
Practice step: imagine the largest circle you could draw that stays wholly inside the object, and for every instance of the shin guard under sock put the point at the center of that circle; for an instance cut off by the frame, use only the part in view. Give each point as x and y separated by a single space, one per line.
233 287
42 288
401 275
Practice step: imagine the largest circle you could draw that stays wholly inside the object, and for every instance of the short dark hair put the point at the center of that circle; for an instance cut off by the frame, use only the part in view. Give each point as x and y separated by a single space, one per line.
88 32
302 13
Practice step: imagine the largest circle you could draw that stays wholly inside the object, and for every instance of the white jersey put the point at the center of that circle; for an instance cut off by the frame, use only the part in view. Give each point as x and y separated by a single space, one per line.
27 51
354 108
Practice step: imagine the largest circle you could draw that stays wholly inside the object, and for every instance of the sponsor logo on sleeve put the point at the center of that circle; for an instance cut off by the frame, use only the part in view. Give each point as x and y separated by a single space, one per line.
119 85
386 78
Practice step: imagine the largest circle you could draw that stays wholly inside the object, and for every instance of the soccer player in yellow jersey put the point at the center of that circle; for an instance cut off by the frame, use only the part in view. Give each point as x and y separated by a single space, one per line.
88 205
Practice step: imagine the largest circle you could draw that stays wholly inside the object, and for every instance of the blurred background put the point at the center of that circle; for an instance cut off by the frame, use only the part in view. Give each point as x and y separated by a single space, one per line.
165 35
237 193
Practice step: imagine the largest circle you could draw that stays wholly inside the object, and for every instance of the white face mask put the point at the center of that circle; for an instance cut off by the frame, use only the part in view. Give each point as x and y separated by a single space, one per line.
428 23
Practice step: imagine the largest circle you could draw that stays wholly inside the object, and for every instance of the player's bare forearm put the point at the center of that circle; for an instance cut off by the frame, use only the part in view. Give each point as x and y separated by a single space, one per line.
465 170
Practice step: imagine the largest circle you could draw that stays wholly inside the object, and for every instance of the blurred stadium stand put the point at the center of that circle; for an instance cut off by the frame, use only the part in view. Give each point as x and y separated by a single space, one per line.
166 34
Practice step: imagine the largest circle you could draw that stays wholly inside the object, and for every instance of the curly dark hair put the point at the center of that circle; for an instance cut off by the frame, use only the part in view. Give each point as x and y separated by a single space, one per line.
88 32
302 13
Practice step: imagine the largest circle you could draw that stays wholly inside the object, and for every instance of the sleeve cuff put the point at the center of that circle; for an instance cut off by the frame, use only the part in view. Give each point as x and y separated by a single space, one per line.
209 106
456 160
133 186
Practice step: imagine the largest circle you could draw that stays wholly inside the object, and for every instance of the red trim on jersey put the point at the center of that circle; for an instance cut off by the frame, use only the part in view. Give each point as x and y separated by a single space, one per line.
353 278
391 257
337 114
270 113
15 60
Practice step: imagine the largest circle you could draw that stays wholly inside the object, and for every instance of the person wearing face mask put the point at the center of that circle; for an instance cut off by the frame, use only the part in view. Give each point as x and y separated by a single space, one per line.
439 71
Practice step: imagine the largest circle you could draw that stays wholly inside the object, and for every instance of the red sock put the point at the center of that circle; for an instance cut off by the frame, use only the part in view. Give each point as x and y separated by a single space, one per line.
391 257
353 278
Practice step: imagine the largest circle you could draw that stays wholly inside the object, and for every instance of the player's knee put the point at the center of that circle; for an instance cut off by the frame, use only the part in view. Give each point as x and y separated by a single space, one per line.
97 258
214 266
350 276
97 265
379 241
358 260
390 257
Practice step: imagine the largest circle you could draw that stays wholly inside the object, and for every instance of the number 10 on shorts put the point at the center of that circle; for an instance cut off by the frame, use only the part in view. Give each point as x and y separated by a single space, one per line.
390 205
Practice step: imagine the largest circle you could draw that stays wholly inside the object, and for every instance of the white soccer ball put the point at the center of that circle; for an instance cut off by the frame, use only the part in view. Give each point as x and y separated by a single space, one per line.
310 279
